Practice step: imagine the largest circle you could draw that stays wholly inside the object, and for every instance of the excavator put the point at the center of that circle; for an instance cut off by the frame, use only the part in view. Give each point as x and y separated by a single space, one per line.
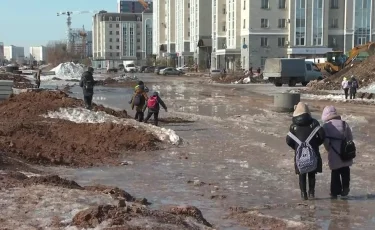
334 64
144 4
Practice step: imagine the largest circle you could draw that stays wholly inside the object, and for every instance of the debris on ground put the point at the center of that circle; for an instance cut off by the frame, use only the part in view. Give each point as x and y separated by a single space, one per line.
19 81
26 134
114 82
172 120
364 72
238 79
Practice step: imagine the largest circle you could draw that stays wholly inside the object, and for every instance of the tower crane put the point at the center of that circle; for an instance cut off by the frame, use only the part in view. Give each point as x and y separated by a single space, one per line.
69 35
144 4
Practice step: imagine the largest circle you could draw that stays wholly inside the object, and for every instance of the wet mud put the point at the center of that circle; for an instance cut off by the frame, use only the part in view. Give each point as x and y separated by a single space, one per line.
19 81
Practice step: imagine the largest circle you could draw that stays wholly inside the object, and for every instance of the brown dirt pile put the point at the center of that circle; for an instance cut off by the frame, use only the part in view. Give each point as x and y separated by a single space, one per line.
25 134
110 82
364 73
173 120
126 216
19 81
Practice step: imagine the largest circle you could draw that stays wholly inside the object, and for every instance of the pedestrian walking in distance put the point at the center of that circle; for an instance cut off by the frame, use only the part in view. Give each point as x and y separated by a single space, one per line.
353 83
304 137
345 87
87 84
341 151
138 101
153 105
37 78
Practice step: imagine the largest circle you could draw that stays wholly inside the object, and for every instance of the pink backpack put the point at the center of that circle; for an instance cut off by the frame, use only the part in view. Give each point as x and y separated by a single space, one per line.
152 102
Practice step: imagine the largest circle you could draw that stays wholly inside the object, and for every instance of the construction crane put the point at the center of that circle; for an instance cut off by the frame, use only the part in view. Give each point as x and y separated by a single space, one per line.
69 35
144 4
83 35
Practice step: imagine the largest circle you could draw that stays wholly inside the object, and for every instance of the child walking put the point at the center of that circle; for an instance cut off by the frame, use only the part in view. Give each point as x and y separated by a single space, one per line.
153 105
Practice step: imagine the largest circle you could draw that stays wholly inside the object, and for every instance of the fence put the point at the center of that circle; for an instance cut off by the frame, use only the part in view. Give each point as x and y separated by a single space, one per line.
5 89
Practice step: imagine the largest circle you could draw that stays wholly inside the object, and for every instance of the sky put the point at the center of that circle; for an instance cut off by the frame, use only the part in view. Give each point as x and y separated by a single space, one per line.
33 23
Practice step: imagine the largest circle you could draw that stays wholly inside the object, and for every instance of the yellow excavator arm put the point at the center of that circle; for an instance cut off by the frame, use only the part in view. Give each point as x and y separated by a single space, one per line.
144 4
353 54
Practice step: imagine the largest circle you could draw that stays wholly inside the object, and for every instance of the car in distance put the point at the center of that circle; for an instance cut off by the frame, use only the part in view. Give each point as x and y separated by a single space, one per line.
170 71
158 68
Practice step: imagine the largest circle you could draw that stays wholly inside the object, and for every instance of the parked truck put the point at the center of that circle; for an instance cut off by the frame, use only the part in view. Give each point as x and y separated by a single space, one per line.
129 66
290 71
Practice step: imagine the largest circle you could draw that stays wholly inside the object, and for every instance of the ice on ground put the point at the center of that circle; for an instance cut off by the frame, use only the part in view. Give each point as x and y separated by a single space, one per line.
333 97
80 115
68 70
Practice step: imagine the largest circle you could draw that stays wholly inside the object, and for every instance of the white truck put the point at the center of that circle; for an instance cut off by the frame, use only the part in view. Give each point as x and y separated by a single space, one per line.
290 71
129 66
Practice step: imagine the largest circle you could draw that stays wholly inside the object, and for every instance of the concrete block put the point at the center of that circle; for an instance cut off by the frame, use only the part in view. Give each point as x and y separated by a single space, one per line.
284 102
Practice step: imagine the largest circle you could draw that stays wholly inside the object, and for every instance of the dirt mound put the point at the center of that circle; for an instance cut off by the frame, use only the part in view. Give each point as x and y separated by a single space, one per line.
127 216
19 81
175 120
26 134
115 192
364 73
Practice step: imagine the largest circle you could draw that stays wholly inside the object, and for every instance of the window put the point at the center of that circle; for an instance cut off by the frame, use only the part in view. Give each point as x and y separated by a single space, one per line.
282 4
302 3
110 54
244 23
300 22
263 61
308 67
317 41
118 54
188 34
110 47
110 40
117 18
361 41
117 39
110 32
265 4
224 28
264 23
243 40
320 4
138 40
110 18
364 4
282 23
334 23
264 41
110 25
300 41
281 42
188 19
138 47
118 47
244 4
117 32
334 4
117 25
188 5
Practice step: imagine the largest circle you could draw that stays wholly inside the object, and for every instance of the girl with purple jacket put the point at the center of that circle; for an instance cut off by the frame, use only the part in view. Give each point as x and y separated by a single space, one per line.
336 129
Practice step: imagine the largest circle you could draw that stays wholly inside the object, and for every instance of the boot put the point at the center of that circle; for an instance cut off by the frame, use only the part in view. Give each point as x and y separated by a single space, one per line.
312 186
345 192
311 194
304 196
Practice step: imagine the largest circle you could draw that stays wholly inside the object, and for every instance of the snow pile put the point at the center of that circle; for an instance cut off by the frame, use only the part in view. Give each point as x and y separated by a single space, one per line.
80 115
69 70
333 97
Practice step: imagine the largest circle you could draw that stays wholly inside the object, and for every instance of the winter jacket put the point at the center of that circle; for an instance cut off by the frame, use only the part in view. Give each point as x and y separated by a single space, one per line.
353 84
334 129
301 127
87 76
345 84
160 102
142 107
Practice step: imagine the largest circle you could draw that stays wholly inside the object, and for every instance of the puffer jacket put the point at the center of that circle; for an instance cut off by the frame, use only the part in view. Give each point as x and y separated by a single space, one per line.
301 127
334 129
142 107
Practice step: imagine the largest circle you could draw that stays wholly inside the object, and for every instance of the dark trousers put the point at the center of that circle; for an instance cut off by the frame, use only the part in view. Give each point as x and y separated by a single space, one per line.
37 84
340 179
302 182
88 101
346 91
156 117
139 116
352 94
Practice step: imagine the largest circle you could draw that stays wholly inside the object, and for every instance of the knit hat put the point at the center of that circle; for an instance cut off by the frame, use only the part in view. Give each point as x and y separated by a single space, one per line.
329 113
155 94
300 108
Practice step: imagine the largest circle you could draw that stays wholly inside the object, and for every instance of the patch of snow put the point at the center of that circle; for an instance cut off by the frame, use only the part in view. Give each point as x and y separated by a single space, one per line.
125 77
81 115
69 70
333 97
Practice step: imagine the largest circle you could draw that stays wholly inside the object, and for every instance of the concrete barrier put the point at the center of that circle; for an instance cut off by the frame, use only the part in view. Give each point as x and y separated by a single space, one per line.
5 89
284 102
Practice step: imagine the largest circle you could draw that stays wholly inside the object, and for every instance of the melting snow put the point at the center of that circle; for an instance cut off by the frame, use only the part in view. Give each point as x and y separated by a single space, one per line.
80 115
332 97
69 70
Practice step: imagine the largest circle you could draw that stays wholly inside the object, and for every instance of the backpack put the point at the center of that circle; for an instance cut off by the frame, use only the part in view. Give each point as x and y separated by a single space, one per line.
306 158
347 149
139 99
89 84
354 84
152 102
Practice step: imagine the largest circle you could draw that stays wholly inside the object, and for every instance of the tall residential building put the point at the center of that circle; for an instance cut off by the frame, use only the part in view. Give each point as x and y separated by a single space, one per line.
121 36
132 6
14 53
226 35
159 45
183 33
2 57
201 31
38 53
89 44
283 28
170 21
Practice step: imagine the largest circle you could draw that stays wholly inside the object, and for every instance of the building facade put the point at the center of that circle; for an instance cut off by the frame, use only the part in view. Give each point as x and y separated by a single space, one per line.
38 53
159 45
89 44
184 56
118 37
2 57
170 21
201 31
132 6
14 53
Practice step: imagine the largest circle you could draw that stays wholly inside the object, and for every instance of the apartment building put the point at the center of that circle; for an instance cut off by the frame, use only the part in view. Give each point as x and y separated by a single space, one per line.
121 36
159 45
170 21
201 32
183 32
2 57
132 6
14 53
226 34
38 53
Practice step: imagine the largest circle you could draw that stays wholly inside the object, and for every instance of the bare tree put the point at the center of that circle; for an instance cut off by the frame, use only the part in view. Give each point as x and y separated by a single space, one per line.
57 53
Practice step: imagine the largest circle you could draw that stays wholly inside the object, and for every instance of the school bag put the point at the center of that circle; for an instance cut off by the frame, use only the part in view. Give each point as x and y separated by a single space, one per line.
139 99
152 102
347 148
306 158
89 84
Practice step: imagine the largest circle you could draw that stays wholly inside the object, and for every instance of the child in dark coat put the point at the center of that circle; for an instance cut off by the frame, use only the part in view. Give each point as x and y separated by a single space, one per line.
153 105
302 126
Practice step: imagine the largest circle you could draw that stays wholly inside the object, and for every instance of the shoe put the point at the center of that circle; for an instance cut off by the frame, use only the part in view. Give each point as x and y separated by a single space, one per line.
311 194
304 196
345 192
333 197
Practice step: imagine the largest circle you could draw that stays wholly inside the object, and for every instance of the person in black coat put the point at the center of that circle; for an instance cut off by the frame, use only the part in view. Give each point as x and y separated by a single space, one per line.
87 84
302 126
